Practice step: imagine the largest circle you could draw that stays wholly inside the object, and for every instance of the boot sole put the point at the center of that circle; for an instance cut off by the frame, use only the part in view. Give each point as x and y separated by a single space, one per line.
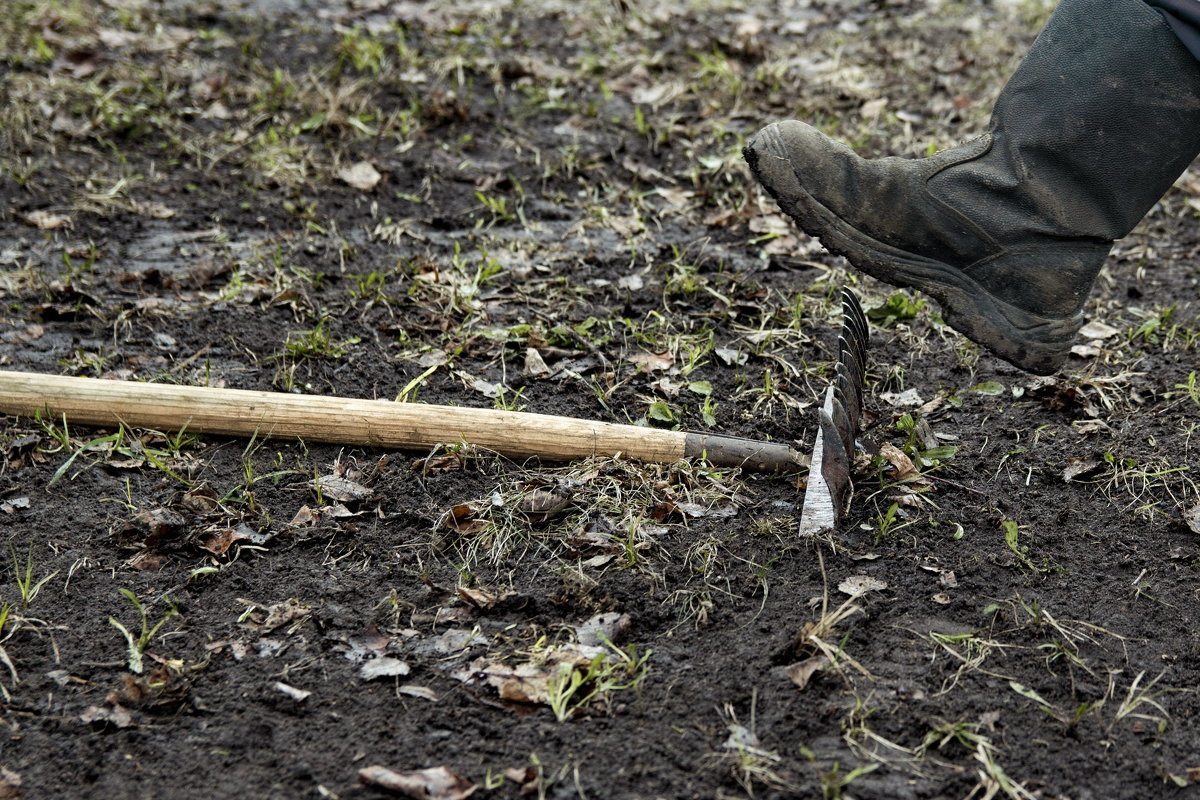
1031 342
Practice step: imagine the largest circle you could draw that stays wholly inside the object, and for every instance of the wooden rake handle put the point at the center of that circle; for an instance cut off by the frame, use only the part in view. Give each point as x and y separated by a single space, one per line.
372 423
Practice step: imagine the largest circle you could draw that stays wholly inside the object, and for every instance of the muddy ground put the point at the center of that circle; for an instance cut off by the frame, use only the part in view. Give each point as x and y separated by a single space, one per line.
542 206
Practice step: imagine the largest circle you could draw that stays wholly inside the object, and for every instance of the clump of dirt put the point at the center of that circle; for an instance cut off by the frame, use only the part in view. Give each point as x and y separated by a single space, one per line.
543 206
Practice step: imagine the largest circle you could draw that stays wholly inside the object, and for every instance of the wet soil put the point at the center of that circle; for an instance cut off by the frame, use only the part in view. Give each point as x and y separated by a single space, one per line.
565 180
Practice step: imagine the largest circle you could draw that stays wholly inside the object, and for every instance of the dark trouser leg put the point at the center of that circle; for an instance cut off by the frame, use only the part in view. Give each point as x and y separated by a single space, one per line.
1184 18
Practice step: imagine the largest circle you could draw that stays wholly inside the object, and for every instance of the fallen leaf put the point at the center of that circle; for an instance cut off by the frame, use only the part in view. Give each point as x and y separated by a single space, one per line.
10 784
456 640
485 388
526 778
871 109
1191 518
610 627
477 597
453 615
383 667
535 365
342 489
905 470
645 172
9 506
163 525
731 357
741 739
1084 427
367 644
218 541
153 209
988 389
676 197
524 683
1098 330
632 283
435 783
115 715
906 399
423 692
651 362
46 220
541 504
857 585
464 519
1081 468
436 465
802 672
114 38
276 615
362 176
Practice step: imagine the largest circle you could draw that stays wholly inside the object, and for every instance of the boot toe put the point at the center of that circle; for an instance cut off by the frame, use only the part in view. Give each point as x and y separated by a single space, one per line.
785 155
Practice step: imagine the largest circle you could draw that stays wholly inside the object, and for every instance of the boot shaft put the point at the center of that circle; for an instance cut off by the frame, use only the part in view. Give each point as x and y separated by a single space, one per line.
1092 129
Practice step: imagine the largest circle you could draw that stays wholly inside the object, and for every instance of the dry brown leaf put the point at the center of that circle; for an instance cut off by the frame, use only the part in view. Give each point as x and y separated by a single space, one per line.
802 672
362 176
477 597
905 470
10 783
423 692
153 209
115 715
1098 330
1084 427
115 38
906 399
524 683
275 616
435 783
464 519
341 489
46 220
219 541
608 627
535 365
651 362
11 505
436 465
383 667
857 585
1191 518
1081 467
541 504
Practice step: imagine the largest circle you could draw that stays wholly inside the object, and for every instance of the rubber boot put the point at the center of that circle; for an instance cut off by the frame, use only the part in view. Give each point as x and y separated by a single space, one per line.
1008 231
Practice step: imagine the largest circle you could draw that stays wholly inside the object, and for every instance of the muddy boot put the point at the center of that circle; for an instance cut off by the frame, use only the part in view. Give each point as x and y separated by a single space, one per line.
1008 231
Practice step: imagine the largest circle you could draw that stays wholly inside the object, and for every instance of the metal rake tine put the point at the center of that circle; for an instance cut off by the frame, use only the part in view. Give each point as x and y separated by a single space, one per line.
853 311
843 420
849 371
851 316
835 463
851 402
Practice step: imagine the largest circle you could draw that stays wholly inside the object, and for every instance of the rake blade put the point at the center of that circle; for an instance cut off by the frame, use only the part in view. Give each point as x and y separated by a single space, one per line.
833 451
